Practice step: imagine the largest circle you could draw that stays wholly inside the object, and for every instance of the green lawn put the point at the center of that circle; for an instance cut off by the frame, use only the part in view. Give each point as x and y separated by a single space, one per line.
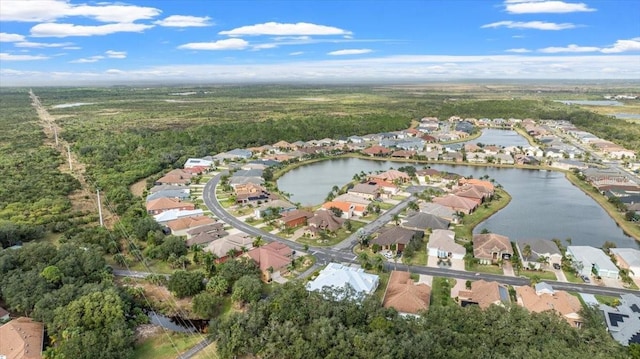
542 275
608 300
420 258
166 345
386 206
470 221
491 269
382 286
441 292
571 277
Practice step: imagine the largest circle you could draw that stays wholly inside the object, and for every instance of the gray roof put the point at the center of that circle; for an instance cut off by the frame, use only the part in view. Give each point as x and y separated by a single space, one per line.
166 187
539 247
422 221
394 235
623 322
254 172
173 193
438 210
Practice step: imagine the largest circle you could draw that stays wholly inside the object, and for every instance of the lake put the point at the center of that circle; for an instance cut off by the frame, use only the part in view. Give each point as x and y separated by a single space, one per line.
502 138
544 203
591 102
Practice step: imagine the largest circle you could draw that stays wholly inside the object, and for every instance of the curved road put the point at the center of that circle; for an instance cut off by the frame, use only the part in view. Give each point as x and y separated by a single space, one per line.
343 251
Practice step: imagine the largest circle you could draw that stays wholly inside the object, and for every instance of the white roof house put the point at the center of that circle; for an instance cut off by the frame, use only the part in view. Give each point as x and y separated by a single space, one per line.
628 258
197 162
337 276
173 214
586 257
442 245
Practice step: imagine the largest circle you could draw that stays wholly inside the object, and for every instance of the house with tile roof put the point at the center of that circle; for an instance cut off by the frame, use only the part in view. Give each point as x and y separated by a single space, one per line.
395 236
21 338
222 247
456 203
540 249
376 151
544 298
442 245
392 176
628 258
491 247
346 208
323 220
365 190
177 177
336 276
164 204
270 258
405 296
484 294
294 218
623 321
180 226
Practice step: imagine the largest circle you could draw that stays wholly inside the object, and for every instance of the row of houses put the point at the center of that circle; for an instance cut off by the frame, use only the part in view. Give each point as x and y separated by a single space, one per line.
411 298
606 148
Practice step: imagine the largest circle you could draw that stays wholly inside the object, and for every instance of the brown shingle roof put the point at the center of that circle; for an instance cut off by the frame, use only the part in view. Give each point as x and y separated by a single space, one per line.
324 219
405 296
394 235
165 203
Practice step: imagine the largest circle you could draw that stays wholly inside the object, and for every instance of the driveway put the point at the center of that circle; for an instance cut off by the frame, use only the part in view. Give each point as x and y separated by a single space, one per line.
507 269
560 275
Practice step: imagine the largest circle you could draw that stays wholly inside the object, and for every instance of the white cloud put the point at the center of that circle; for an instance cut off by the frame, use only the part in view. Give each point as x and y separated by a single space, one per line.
537 25
87 60
623 46
296 53
184 21
536 7
282 29
42 44
518 51
72 48
226 44
5 37
116 54
65 30
617 47
349 52
570 48
50 10
11 57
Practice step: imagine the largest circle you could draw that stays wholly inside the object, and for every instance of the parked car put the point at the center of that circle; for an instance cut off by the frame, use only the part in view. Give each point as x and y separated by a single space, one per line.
556 266
586 279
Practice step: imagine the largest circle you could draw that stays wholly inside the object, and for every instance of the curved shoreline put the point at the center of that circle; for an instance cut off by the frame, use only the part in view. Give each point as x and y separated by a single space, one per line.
628 228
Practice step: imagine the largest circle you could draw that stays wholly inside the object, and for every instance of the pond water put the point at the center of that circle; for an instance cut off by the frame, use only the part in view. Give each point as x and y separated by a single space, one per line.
503 138
177 324
627 116
591 102
544 203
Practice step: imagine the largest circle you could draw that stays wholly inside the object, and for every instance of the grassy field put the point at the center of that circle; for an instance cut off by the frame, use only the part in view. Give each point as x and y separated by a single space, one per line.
166 346
541 275
491 269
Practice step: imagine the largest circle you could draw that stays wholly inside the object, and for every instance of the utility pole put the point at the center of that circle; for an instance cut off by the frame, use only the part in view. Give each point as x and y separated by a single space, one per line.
100 209
69 155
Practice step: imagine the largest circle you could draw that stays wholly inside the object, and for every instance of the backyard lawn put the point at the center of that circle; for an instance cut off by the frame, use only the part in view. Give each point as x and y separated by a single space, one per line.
166 345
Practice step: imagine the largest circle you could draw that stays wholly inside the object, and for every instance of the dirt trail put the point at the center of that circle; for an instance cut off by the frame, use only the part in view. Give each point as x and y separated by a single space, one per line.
84 199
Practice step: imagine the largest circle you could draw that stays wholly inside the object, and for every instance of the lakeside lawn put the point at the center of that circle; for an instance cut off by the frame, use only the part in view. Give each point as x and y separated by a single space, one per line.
469 222
166 345
629 228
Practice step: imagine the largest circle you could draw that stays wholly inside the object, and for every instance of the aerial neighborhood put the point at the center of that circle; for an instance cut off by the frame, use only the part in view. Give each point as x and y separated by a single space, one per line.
412 215
405 234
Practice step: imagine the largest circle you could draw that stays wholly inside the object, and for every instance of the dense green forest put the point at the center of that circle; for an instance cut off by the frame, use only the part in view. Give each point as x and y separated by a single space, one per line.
70 289
293 323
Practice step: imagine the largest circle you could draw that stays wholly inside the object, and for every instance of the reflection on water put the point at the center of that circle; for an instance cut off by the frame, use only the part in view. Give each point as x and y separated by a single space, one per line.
544 203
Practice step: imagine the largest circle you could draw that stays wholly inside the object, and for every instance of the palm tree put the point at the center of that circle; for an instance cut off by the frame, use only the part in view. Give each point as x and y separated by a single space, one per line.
363 259
396 219
526 252
544 260
378 262
258 241
412 205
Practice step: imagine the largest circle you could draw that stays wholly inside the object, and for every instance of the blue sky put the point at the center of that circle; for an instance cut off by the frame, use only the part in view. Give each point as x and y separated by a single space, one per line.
44 42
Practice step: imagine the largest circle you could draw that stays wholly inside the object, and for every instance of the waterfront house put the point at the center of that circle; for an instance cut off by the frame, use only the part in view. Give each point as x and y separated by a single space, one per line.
456 203
587 260
365 190
490 248
542 250
629 259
